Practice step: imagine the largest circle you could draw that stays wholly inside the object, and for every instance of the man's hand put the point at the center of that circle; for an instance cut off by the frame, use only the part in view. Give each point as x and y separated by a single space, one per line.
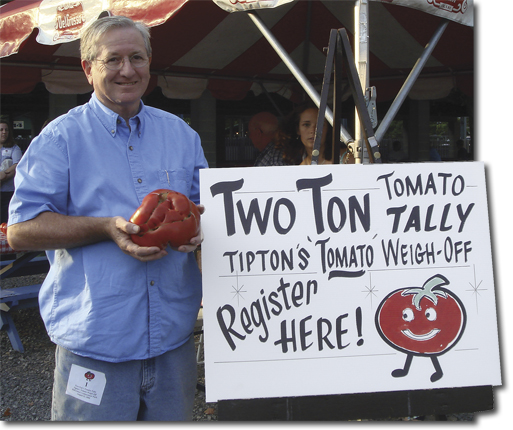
120 232
195 241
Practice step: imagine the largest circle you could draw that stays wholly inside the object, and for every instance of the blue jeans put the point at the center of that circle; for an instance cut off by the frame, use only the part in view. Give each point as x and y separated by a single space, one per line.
157 389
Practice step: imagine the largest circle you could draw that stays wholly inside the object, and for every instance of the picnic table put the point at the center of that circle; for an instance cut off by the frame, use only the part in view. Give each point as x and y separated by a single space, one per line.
14 264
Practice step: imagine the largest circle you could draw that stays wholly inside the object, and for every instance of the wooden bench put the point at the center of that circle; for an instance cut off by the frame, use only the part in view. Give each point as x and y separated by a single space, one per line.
14 265
16 298
28 263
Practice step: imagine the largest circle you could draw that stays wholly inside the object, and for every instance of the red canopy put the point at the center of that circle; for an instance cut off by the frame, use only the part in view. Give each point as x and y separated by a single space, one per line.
198 45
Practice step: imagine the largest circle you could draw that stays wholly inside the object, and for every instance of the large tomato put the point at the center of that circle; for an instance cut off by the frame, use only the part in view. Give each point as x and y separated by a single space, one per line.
166 217
422 321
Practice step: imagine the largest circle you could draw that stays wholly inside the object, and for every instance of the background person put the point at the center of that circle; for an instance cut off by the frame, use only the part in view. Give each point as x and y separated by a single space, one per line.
122 315
262 129
11 156
397 155
296 137
462 154
434 155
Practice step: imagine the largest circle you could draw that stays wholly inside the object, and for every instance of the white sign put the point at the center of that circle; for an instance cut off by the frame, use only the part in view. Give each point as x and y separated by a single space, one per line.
347 279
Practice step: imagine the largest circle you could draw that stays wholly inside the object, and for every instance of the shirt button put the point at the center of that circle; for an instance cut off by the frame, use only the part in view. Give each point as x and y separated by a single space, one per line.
152 283
131 148
139 180
118 121
113 131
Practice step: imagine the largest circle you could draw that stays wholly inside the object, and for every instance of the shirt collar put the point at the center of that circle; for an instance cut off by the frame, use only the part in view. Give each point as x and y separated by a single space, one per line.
110 119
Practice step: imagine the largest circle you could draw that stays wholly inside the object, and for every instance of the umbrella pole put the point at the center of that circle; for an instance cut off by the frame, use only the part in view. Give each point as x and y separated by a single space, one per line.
298 74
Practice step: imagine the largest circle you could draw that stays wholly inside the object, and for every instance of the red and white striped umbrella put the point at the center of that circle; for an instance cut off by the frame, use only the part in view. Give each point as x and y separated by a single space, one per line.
201 44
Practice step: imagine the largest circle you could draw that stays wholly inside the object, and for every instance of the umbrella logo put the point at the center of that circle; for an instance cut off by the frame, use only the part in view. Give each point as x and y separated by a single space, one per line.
450 5
69 20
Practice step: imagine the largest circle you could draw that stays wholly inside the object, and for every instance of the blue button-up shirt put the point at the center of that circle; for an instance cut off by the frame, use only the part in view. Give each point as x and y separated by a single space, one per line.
97 301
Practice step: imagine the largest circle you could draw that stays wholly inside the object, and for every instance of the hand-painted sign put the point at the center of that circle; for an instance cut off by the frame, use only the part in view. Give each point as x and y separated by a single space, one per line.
347 279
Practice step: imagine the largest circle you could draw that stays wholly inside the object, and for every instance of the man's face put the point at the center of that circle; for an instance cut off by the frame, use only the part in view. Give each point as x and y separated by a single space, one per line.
119 90
255 134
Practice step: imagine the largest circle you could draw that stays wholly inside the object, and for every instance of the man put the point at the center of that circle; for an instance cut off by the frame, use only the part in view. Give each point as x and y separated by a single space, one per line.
122 315
262 129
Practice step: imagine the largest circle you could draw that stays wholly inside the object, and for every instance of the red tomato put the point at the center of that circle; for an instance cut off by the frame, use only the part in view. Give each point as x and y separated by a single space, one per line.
166 217
3 228
422 321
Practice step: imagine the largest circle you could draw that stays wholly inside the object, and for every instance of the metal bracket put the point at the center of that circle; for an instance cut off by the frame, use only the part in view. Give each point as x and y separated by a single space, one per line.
370 98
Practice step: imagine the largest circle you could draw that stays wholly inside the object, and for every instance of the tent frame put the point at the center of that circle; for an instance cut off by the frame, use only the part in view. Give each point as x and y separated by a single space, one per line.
361 59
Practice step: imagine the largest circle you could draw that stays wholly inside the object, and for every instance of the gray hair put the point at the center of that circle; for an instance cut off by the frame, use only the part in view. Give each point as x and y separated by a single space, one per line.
92 34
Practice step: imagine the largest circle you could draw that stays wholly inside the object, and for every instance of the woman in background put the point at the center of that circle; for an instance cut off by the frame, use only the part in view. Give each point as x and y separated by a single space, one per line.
296 138
11 155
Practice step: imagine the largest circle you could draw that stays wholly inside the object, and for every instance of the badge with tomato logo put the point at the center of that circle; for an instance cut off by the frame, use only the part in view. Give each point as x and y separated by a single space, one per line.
89 377
422 321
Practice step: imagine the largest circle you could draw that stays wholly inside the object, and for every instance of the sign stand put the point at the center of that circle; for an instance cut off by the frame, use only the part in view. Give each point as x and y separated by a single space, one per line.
340 54
373 406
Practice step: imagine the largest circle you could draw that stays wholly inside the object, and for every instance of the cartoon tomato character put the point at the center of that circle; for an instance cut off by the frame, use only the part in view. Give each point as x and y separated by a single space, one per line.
422 321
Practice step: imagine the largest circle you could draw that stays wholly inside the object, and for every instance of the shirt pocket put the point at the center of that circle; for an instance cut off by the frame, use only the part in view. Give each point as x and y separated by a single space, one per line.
176 180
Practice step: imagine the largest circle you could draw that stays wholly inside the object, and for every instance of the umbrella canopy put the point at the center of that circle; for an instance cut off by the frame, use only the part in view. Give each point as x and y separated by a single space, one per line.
200 45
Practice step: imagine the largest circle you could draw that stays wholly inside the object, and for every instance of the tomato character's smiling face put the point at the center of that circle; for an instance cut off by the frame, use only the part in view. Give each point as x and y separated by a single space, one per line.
421 321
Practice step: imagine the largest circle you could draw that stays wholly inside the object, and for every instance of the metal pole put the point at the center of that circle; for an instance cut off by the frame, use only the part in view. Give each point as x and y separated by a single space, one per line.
361 58
306 47
410 81
305 83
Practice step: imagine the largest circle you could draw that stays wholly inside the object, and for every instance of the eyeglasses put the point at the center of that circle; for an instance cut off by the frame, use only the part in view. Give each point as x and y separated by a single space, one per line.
116 63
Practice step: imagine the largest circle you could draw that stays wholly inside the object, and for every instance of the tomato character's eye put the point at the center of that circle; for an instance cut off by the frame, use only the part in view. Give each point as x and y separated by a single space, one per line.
408 315
430 314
